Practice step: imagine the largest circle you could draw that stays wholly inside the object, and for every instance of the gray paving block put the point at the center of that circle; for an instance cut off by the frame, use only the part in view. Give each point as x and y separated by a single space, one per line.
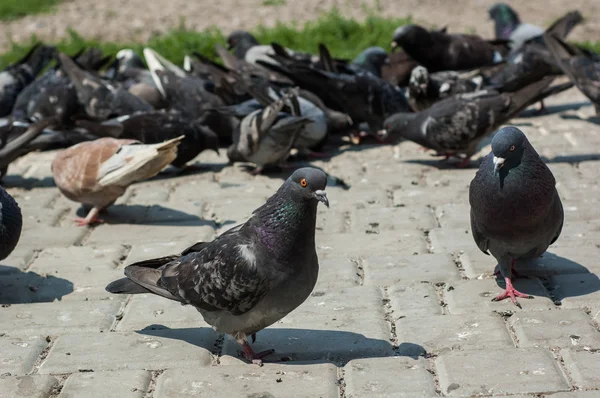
18 259
151 349
145 251
437 334
131 234
58 318
338 325
421 195
149 310
583 367
476 264
561 328
331 221
451 240
27 386
88 268
234 210
385 219
577 290
18 354
358 197
122 384
336 273
453 215
42 238
17 287
388 377
385 270
270 380
414 299
506 371
575 394
475 296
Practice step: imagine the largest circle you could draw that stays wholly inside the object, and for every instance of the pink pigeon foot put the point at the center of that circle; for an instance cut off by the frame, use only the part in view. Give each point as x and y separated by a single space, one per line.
255 358
91 218
512 293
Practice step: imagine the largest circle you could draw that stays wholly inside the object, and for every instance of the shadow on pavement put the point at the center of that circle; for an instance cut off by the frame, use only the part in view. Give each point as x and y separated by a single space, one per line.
18 287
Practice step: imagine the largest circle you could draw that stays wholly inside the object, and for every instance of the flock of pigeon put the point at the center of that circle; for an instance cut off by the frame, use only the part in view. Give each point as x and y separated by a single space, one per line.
123 122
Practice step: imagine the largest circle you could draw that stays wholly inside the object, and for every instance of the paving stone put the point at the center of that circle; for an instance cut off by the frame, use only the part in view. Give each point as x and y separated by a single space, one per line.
583 367
234 210
421 195
145 251
414 299
335 273
453 215
134 234
575 394
577 290
531 370
563 328
42 238
335 326
451 240
18 354
18 259
386 219
58 318
331 221
270 380
388 377
358 198
451 332
152 311
17 287
150 349
475 296
88 269
386 270
27 386
122 384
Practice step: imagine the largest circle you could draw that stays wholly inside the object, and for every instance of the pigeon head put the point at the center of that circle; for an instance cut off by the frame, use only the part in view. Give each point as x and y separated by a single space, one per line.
308 183
409 35
128 58
419 79
241 41
505 18
508 146
372 58
396 125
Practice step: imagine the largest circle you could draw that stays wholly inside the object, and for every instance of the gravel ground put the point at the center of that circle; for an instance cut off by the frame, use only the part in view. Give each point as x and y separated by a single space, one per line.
119 20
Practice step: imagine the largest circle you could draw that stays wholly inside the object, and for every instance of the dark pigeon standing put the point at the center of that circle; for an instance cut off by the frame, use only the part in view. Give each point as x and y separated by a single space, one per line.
438 50
456 125
582 67
11 222
508 25
516 212
252 275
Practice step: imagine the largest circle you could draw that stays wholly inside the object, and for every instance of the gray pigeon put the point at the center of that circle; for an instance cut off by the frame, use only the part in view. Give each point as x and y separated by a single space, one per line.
516 212
250 276
11 222
456 125
266 136
508 25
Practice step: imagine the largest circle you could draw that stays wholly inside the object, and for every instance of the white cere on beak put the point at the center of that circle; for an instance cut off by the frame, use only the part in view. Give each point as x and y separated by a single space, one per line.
498 163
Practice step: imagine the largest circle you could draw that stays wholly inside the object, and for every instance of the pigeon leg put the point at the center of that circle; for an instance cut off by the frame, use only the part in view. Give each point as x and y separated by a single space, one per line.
257 170
317 155
91 218
513 271
542 108
463 163
510 291
254 357
253 337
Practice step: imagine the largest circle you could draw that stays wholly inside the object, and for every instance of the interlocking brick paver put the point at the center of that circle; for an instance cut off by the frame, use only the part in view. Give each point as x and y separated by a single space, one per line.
451 240
576 291
387 270
384 220
122 384
18 354
38 386
389 377
413 299
506 371
270 380
154 349
144 233
561 328
583 367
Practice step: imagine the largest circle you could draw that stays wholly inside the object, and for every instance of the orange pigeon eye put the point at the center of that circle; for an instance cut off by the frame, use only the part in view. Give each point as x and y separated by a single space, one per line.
303 182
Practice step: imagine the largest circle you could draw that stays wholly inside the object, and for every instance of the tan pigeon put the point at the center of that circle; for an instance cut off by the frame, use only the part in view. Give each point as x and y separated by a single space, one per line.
97 172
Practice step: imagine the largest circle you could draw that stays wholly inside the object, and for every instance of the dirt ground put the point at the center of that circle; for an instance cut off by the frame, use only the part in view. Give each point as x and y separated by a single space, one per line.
120 20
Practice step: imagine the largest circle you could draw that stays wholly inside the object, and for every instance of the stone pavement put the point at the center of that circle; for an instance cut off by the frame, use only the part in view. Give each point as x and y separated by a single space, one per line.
401 308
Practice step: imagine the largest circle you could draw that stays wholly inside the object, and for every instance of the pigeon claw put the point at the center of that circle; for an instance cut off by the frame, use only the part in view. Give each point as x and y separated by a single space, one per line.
255 357
512 293
90 219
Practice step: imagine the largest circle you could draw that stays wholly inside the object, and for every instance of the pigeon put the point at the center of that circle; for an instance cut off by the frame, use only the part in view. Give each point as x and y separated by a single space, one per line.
516 212
397 70
508 26
250 276
371 60
17 76
582 67
101 99
96 173
246 47
266 136
11 223
425 89
439 51
456 125
157 126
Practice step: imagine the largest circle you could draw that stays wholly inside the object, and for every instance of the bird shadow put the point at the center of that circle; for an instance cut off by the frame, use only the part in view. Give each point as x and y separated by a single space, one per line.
578 158
146 215
552 109
591 119
17 181
294 346
190 170
18 287
442 164
562 277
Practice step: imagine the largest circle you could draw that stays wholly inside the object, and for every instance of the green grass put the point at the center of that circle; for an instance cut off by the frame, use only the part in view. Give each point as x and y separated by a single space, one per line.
344 37
15 9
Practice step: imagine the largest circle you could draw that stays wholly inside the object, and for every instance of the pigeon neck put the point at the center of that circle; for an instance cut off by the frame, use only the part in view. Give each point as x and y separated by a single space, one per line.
506 23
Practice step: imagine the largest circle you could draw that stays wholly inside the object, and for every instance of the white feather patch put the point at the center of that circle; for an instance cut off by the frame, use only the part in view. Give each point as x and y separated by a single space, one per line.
247 254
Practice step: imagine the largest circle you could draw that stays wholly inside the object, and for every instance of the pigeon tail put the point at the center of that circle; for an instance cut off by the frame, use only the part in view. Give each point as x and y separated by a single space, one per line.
125 286
563 26
137 162
528 95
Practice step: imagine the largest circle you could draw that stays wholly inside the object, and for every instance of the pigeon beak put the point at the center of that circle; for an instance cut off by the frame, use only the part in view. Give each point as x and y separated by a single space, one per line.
322 197
394 45
498 163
